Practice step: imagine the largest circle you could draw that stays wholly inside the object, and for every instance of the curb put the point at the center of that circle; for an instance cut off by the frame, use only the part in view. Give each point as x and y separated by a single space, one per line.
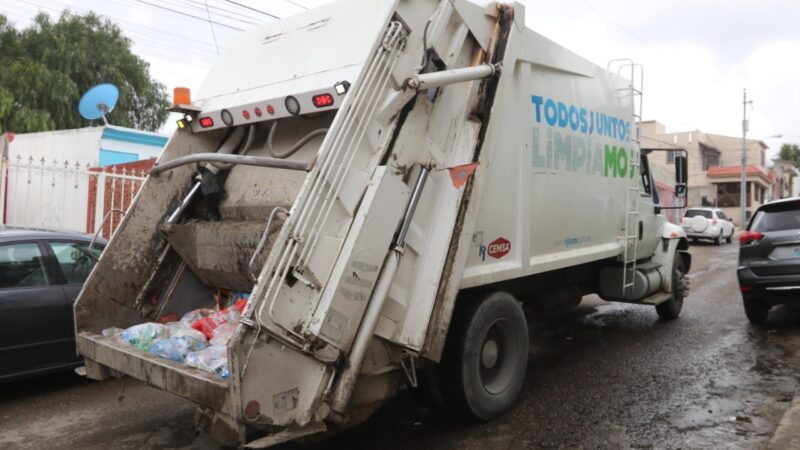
787 435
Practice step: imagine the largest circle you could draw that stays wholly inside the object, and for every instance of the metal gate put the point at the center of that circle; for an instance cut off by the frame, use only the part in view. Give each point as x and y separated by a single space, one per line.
66 195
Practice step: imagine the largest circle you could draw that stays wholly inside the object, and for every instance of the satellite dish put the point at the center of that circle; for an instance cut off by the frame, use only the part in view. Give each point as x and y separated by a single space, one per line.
98 101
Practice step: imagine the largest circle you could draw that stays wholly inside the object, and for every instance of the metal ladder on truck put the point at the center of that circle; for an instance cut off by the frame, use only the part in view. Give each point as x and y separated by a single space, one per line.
630 236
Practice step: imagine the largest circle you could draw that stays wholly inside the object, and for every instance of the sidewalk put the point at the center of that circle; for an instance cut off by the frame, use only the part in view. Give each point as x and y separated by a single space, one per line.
787 435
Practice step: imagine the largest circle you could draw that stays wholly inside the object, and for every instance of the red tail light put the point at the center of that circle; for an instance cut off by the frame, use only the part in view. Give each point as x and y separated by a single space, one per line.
257 111
714 222
246 114
322 100
748 237
206 122
746 288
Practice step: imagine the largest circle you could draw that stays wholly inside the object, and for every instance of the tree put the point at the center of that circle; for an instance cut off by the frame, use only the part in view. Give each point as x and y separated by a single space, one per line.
45 68
790 152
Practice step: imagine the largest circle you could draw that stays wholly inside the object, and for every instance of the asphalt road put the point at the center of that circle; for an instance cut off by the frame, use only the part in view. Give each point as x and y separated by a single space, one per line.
599 376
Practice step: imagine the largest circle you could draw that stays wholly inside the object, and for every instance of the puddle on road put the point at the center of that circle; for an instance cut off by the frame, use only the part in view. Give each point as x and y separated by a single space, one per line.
735 408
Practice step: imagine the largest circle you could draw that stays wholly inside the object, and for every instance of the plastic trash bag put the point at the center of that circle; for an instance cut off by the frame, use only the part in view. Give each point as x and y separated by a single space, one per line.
142 336
172 328
193 316
189 332
212 359
222 334
176 348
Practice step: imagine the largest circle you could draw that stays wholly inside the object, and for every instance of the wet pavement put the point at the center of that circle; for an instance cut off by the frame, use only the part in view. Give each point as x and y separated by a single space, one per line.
599 376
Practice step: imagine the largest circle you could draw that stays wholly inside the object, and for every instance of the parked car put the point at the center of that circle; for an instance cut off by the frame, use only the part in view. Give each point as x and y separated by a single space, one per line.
707 223
769 258
41 274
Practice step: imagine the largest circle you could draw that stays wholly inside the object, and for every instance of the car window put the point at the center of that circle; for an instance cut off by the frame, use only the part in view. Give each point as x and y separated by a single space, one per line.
776 220
721 215
697 212
21 265
74 261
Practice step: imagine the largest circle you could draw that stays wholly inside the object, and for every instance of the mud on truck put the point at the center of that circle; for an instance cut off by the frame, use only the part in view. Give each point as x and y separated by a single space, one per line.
391 181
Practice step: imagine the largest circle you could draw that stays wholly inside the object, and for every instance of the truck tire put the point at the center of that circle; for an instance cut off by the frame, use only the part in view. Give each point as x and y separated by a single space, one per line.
671 309
718 239
730 238
486 356
756 311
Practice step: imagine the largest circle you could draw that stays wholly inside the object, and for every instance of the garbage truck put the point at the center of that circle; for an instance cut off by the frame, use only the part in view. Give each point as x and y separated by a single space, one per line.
396 184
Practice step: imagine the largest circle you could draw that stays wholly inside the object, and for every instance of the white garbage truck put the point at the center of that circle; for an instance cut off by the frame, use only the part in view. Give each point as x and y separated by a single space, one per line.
396 183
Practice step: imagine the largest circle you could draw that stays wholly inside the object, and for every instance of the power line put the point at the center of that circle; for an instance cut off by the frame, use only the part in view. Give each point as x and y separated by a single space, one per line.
144 40
212 26
613 22
188 15
252 9
202 7
296 4
188 43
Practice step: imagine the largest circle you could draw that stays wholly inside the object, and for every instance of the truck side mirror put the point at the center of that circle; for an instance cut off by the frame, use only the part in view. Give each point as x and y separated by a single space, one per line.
680 191
681 170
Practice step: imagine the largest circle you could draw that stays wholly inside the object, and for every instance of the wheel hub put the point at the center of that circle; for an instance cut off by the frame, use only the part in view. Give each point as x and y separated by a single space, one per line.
489 354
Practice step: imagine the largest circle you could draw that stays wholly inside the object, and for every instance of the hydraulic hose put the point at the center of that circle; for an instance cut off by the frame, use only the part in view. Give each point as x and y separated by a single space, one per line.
251 134
300 144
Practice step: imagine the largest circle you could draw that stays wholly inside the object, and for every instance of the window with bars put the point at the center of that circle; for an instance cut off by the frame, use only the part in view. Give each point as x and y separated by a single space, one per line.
710 157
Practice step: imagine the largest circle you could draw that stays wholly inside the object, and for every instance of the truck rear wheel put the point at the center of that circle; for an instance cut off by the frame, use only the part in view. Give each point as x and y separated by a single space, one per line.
486 356
671 309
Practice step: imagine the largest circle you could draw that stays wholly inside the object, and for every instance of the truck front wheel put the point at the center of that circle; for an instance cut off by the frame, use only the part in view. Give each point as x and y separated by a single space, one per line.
486 356
671 309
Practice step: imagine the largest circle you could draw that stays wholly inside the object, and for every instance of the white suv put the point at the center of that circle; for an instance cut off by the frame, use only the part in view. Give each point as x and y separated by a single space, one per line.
707 223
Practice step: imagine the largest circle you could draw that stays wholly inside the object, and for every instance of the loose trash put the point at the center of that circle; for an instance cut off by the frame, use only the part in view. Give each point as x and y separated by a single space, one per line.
226 298
213 359
193 316
222 334
168 318
189 332
142 336
199 339
176 348
108 332
230 314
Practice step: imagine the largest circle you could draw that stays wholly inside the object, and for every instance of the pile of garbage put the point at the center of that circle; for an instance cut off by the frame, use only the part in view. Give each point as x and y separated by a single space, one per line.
199 339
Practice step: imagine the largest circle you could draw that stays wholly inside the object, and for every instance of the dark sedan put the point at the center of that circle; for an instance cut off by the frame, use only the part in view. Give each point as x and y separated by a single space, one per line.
769 258
41 274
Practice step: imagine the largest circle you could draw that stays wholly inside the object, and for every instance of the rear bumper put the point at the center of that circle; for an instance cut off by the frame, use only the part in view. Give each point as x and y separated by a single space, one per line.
708 233
769 289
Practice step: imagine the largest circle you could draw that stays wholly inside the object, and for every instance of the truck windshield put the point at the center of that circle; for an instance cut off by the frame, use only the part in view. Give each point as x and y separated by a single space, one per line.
784 218
697 212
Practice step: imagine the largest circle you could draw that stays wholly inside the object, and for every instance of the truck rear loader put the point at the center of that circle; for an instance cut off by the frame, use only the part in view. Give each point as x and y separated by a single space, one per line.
392 181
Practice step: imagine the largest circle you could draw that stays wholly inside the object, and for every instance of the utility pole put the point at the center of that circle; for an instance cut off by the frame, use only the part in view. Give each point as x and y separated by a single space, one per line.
743 187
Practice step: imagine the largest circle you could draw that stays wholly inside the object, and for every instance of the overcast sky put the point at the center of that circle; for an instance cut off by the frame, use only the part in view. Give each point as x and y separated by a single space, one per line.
698 55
